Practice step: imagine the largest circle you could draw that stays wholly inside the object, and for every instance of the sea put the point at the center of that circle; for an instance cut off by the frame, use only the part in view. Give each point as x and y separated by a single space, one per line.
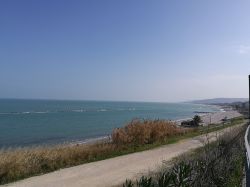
45 122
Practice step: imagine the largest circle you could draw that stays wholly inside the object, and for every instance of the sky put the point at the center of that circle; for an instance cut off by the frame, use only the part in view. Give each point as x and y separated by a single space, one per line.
124 50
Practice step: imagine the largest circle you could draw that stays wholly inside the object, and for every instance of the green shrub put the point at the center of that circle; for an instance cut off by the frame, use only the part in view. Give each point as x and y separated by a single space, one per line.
217 164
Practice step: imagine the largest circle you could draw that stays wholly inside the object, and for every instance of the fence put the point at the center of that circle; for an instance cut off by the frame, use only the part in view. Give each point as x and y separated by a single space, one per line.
247 137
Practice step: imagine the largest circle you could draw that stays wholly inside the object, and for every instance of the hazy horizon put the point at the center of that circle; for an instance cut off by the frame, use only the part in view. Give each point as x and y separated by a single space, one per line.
139 101
124 51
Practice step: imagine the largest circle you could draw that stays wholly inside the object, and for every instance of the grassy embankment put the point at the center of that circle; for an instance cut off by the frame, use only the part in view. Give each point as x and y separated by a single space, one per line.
16 164
219 163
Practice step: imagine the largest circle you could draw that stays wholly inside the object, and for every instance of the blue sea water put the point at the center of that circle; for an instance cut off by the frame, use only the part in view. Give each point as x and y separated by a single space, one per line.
36 122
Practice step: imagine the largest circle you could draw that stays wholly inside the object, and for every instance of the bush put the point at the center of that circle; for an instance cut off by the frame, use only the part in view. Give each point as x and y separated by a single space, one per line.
139 132
197 120
192 123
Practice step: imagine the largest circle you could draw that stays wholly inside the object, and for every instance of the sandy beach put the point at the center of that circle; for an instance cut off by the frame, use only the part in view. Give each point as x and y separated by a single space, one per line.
207 118
216 117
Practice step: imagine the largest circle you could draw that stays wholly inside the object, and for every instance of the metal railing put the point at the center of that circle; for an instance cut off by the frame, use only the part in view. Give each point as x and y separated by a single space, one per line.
247 170
247 146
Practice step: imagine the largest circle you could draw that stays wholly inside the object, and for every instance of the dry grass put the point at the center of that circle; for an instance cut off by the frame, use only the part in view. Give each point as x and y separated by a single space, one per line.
139 132
20 163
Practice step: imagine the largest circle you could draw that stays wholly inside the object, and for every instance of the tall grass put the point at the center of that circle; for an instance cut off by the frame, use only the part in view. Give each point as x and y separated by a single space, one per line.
139 132
24 162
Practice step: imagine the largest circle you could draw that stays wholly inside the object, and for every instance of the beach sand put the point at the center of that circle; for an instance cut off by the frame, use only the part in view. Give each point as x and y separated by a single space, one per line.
216 117
207 118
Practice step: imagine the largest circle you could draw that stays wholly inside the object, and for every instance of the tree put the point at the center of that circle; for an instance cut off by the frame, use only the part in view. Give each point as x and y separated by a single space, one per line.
197 120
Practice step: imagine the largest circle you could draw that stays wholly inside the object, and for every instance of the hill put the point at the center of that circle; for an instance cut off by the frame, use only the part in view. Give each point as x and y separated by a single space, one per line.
220 101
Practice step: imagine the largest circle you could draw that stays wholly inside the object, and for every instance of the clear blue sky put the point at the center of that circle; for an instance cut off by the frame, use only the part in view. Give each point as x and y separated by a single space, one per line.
134 50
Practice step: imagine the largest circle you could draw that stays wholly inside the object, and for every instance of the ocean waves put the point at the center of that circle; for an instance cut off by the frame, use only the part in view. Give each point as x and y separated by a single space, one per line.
29 122
67 111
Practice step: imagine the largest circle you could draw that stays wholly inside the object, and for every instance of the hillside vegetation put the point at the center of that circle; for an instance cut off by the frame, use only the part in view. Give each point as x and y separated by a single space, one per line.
219 163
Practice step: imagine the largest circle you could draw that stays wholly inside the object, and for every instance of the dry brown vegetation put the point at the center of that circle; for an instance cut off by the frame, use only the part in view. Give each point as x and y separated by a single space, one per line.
24 162
139 132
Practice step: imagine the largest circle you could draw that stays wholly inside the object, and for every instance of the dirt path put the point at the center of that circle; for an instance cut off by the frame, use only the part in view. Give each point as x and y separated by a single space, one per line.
115 170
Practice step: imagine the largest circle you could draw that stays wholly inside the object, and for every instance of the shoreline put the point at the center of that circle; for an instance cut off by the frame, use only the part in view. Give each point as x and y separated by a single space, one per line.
216 118
30 162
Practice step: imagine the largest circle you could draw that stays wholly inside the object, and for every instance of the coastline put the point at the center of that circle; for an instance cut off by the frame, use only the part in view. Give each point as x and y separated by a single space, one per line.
48 123
67 155
216 116
206 117
89 141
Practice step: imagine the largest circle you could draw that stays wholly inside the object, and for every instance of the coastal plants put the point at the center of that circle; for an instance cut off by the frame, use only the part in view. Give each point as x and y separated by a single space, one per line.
192 123
139 132
145 182
218 164
165 179
197 120
128 183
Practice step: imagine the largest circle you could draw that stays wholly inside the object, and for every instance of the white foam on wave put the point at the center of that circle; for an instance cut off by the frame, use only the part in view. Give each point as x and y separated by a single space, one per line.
102 110
81 110
12 113
222 110
90 140
26 112
45 112
131 109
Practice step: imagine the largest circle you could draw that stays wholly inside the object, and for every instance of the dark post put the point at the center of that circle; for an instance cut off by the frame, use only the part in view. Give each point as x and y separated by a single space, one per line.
247 169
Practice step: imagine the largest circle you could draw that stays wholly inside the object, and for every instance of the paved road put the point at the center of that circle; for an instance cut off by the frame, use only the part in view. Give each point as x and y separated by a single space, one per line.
115 170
